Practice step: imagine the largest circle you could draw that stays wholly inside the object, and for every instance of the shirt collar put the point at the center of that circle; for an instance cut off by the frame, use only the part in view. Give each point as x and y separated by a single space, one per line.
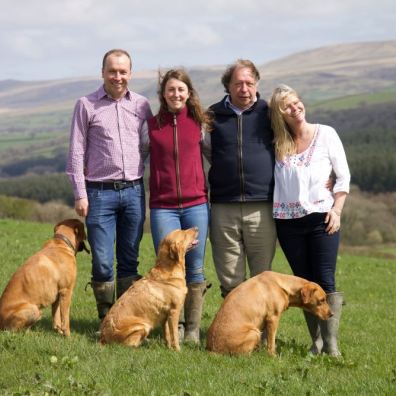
235 109
102 93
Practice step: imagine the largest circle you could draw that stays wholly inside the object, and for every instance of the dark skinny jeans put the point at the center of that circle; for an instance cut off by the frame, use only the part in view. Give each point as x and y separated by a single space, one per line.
309 249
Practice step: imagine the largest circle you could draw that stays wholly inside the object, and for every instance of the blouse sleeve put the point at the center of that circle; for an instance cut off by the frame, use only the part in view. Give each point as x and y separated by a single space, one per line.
339 163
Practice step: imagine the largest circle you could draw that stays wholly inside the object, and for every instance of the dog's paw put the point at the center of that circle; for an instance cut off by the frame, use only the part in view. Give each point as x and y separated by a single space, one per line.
271 353
64 332
175 347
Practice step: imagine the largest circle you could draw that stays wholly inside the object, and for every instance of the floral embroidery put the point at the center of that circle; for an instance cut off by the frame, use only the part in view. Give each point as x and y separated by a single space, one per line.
290 210
304 158
295 210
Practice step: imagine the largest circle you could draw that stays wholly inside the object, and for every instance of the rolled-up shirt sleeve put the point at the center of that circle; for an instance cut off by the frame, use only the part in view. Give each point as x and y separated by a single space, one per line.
339 163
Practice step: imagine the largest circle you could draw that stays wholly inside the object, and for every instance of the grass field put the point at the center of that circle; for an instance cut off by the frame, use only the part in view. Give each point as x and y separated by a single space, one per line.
40 362
355 101
19 140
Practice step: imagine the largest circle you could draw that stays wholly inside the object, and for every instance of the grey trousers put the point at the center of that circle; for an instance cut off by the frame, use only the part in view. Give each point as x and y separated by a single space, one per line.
241 232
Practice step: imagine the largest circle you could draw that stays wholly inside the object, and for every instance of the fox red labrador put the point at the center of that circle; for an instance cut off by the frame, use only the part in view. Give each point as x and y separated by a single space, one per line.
46 278
154 300
257 304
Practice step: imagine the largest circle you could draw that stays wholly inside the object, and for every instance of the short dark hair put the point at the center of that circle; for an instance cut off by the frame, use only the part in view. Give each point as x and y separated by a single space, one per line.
117 52
227 76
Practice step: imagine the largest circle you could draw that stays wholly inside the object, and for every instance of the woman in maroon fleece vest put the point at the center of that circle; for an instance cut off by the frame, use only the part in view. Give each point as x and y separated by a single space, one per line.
178 192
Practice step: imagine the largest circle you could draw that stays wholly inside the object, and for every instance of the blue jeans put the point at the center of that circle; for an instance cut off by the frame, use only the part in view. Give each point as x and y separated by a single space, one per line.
163 221
309 249
115 217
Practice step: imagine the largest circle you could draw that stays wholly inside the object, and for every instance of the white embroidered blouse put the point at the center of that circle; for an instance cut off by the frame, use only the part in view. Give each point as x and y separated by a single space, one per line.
300 180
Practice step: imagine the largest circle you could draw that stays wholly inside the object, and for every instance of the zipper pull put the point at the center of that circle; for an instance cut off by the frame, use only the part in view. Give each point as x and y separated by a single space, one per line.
174 120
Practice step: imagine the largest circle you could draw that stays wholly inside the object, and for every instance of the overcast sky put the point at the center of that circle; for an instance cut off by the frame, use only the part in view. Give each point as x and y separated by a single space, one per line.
48 39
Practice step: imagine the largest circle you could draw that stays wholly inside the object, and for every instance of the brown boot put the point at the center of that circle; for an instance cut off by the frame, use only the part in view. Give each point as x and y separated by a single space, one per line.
193 311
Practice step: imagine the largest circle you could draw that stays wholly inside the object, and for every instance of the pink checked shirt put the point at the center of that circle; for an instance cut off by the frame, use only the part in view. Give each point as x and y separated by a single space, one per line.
104 139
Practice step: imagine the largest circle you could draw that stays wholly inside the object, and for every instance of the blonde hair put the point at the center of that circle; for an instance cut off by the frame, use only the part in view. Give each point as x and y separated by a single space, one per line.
283 139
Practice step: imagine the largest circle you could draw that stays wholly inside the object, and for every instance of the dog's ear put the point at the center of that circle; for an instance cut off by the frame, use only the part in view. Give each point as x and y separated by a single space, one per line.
79 230
174 251
56 227
81 236
306 292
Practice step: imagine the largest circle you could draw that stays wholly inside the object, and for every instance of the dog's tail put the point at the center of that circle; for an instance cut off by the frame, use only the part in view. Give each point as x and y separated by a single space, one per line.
130 331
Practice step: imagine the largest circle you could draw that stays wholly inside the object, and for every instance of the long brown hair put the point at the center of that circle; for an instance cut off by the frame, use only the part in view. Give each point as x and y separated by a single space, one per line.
194 107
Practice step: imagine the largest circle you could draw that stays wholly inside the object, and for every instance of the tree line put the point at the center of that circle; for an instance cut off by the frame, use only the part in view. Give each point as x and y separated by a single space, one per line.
369 137
367 132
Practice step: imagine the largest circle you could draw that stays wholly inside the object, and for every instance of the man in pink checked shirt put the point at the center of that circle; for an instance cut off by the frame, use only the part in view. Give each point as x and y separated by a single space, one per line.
106 172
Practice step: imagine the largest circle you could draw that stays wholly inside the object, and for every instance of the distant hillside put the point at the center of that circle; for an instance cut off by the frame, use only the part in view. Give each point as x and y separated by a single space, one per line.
323 73
349 86
335 71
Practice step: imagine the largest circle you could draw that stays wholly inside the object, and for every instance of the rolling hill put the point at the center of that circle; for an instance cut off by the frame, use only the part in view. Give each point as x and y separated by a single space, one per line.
349 86
320 74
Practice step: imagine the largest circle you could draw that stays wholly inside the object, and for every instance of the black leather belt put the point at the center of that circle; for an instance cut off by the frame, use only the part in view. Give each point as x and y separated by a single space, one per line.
114 185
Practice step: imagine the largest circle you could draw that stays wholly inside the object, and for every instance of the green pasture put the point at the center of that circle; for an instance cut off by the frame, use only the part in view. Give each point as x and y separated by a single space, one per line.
40 121
24 146
41 362
24 140
355 101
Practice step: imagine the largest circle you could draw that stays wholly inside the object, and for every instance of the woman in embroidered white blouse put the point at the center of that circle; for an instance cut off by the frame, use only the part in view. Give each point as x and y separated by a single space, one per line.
307 214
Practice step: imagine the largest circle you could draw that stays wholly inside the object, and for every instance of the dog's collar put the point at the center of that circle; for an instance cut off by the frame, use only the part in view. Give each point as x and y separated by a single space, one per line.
67 241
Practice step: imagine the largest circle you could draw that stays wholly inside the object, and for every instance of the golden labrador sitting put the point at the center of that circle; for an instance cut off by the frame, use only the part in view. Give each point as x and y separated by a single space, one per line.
154 300
257 304
47 277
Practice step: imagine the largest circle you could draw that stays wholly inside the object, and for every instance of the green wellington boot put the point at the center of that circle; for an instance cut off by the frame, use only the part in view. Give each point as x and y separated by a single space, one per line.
329 328
193 311
314 331
104 296
123 284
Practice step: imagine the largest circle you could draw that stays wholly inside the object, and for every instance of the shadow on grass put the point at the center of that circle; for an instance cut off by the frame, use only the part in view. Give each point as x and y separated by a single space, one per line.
291 346
90 327
85 327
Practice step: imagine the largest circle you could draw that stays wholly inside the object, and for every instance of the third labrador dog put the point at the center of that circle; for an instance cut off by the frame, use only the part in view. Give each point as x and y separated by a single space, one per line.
154 300
46 278
257 304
